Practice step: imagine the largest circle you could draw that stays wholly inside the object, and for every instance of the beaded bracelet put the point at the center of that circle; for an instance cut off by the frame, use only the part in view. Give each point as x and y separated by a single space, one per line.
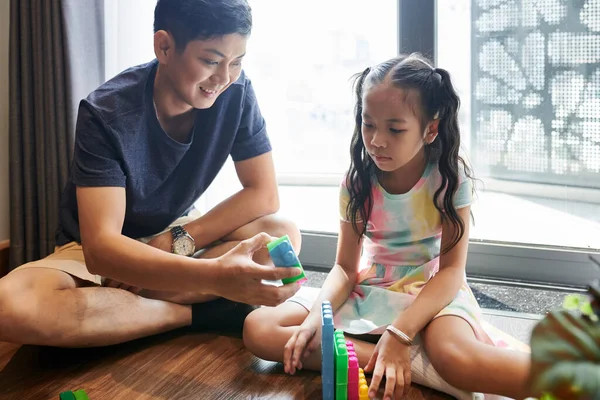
403 337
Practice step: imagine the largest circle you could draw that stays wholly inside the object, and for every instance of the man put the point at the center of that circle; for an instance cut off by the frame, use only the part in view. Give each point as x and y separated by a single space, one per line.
148 144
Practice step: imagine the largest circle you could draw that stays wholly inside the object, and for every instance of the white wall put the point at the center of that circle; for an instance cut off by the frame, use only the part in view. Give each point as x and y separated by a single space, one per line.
4 30
128 34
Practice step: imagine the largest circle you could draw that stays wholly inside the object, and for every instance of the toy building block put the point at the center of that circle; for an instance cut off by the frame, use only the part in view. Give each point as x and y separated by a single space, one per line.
363 388
363 392
341 366
362 380
327 352
283 255
77 395
352 372
68 395
81 395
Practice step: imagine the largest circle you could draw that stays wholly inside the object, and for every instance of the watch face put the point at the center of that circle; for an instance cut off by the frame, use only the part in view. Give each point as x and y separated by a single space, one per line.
183 246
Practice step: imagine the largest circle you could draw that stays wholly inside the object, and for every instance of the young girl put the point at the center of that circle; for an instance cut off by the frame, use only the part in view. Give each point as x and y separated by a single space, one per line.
400 266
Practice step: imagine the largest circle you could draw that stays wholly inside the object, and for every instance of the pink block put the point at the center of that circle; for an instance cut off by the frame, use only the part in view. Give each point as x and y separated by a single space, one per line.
352 376
352 372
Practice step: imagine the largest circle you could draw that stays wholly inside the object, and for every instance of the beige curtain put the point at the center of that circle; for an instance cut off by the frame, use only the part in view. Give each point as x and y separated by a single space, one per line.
56 58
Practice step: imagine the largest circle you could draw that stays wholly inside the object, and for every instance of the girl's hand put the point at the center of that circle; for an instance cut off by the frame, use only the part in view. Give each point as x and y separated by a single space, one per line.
392 358
304 341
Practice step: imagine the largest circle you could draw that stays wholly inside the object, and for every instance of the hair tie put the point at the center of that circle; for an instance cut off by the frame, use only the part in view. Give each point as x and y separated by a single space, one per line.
440 77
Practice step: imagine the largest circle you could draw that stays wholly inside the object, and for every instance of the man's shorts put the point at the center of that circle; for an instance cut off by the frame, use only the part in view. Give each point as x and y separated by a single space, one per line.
69 257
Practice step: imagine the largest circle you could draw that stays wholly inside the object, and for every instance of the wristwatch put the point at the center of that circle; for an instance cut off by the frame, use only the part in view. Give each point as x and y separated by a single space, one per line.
183 243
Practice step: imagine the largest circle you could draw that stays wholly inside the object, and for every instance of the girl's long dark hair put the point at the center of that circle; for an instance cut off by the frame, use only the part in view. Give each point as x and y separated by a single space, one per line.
438 99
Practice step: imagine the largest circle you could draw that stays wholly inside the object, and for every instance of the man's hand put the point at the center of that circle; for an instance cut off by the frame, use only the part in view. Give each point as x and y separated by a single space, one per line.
162 241
240 278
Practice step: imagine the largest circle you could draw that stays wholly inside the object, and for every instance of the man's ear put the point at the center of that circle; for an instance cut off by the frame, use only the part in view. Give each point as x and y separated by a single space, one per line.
432 131
164 46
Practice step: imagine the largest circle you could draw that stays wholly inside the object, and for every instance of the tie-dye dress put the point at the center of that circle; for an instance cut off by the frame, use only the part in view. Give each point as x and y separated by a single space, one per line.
401 249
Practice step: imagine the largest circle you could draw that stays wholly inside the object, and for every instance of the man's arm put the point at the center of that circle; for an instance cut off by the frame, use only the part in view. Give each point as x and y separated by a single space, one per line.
109 253
258 197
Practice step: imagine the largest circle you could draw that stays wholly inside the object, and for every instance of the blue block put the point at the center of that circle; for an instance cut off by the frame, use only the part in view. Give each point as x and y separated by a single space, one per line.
283 255
327 352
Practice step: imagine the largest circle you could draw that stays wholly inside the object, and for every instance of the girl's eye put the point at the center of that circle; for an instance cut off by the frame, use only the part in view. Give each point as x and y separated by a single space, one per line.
237 64
209 62
397 130
367 125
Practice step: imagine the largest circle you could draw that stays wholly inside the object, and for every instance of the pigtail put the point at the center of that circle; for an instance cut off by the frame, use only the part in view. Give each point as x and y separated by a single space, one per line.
446 147
360 173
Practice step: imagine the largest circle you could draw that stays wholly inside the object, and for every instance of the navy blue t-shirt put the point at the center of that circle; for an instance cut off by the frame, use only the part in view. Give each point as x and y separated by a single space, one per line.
119 142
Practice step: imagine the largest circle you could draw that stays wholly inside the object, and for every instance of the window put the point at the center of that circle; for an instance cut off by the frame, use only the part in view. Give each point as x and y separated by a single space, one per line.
529 77
301 57
301 68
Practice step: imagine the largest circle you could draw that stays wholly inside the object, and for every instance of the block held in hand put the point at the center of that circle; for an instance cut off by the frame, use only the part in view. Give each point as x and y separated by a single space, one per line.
283 255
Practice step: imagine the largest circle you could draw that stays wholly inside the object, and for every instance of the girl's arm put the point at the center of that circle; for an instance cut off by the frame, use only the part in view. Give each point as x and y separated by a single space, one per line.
336 289
443 287
342 278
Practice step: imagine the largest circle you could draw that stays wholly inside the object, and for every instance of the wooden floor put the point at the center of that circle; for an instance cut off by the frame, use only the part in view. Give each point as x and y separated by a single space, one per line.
177 365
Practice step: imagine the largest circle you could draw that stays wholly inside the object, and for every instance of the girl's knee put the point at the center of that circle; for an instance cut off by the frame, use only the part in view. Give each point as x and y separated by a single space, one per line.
257 326
452 361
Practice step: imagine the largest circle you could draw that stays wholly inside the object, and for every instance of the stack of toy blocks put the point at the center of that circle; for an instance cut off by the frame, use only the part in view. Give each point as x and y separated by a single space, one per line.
341 377
327 360
363 388
352 372
283 255
341 365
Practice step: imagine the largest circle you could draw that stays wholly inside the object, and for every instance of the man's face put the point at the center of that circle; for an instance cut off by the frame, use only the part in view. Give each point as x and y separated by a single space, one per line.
206 68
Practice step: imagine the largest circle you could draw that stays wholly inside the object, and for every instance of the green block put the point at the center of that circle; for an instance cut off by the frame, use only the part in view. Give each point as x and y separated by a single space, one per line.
302 276
277 242
341 366
81 395
67 396
341 392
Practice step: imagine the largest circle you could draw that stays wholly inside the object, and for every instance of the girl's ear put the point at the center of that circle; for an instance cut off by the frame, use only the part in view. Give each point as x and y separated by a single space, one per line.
432 131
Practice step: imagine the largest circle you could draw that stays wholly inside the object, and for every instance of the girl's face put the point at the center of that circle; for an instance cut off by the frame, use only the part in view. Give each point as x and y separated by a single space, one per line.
391 129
